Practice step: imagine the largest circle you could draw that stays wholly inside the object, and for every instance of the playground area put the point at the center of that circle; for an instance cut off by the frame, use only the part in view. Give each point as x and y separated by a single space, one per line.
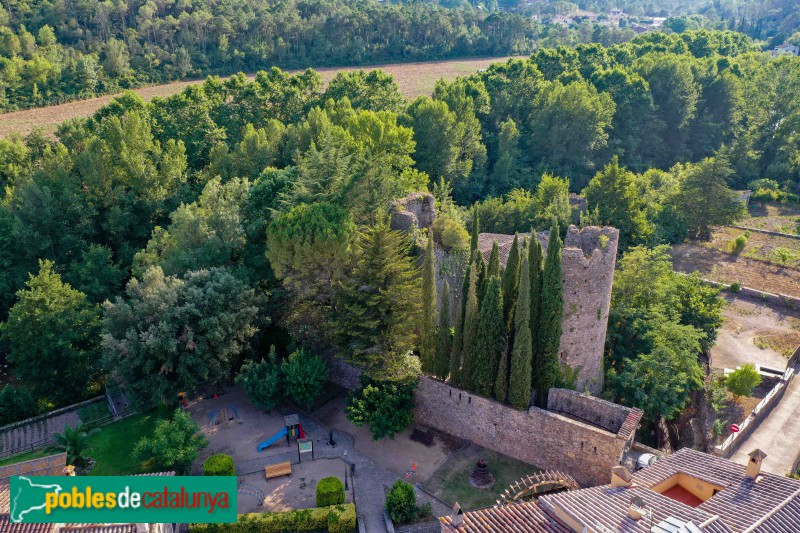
237 428
298 491
407 458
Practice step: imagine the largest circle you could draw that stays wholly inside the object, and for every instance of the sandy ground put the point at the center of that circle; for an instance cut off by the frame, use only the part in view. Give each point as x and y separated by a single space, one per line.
414 79
398 454
240 441
750 323
297 491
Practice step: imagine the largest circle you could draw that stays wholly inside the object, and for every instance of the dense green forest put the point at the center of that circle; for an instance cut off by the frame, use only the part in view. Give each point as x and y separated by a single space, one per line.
161 244
58 50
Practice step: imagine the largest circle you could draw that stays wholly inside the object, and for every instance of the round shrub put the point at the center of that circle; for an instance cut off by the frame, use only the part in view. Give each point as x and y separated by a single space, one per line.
330 491
219 465
735 286
401 503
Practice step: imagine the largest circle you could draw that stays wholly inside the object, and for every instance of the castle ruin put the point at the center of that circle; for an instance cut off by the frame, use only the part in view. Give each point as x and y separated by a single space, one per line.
588 259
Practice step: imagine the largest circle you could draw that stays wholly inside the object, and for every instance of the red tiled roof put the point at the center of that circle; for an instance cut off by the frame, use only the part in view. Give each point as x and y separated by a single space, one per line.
7 527
631 423
525 517
743 502
608 507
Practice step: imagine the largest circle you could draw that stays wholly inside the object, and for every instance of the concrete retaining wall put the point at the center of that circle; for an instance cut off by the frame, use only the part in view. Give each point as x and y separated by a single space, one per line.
767 232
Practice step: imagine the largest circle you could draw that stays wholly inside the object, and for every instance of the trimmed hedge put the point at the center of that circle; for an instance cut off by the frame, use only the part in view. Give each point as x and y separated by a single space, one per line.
219 465
330 491
335 519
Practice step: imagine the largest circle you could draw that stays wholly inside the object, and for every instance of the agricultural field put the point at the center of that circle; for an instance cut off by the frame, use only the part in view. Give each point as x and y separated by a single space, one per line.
414 79
783 218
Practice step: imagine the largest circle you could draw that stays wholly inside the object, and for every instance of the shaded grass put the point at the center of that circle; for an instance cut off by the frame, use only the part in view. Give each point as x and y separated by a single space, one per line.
451 483
44 452
112 446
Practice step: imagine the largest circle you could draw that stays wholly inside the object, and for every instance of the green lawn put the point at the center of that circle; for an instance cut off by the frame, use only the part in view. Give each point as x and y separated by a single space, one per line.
44 452
112 446
451 483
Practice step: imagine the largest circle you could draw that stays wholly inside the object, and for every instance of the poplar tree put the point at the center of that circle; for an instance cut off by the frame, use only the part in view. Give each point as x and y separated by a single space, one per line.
469 351
427 347
444 337
535 273
490 340
551 315
519 389
511 284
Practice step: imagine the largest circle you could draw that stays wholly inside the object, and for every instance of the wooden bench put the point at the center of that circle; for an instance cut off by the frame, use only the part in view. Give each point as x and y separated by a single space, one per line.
422 436
278 470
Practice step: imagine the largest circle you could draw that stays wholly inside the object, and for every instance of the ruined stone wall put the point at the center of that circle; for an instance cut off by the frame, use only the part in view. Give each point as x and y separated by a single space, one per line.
542 438
597 412
588 260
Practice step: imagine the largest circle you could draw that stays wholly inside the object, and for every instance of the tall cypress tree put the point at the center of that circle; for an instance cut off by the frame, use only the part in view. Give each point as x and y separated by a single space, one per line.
473 242
490 341
501 380
458 330
480 268
519 389
535 272
444 337
494 260
511 283
427 347
551 317
469 350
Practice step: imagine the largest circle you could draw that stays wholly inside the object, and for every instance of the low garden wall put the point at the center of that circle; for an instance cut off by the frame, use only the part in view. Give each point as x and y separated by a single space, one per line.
37 432
334 519
784 300
768 232
746 428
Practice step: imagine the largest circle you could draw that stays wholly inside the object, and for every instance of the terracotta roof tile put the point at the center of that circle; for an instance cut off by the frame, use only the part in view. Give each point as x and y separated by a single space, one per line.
525 517
607 507
743 502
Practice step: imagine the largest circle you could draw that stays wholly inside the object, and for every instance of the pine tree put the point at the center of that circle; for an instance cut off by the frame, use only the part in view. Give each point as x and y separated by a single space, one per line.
490 341
519 389
444 337
551 315
428 341
511 284
469 350
473 242
494 260
379 307
535 268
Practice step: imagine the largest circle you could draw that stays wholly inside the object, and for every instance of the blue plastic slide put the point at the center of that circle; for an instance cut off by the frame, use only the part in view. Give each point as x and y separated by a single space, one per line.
270 442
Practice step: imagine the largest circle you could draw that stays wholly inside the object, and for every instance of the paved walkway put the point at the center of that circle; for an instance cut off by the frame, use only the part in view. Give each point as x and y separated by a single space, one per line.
778 435
371 480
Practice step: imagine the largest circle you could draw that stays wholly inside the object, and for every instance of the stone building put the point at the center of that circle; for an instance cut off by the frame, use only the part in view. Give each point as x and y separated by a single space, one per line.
588 261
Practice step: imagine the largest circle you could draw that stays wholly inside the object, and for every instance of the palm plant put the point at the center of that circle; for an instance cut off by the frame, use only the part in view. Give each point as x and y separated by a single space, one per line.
74 441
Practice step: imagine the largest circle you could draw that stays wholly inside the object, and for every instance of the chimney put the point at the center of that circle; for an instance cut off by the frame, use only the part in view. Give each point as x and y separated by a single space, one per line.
457 517
69 470
637 508
620 477
754 464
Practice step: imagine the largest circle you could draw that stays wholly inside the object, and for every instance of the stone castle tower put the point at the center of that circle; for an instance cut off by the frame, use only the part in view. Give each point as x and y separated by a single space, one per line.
588 260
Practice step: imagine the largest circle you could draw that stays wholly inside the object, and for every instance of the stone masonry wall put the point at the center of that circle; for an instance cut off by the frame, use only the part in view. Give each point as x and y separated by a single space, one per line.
588 260
542 438
597 412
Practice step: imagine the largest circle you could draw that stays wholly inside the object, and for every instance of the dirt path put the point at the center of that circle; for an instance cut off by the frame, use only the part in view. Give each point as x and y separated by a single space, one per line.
756 333
414 79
